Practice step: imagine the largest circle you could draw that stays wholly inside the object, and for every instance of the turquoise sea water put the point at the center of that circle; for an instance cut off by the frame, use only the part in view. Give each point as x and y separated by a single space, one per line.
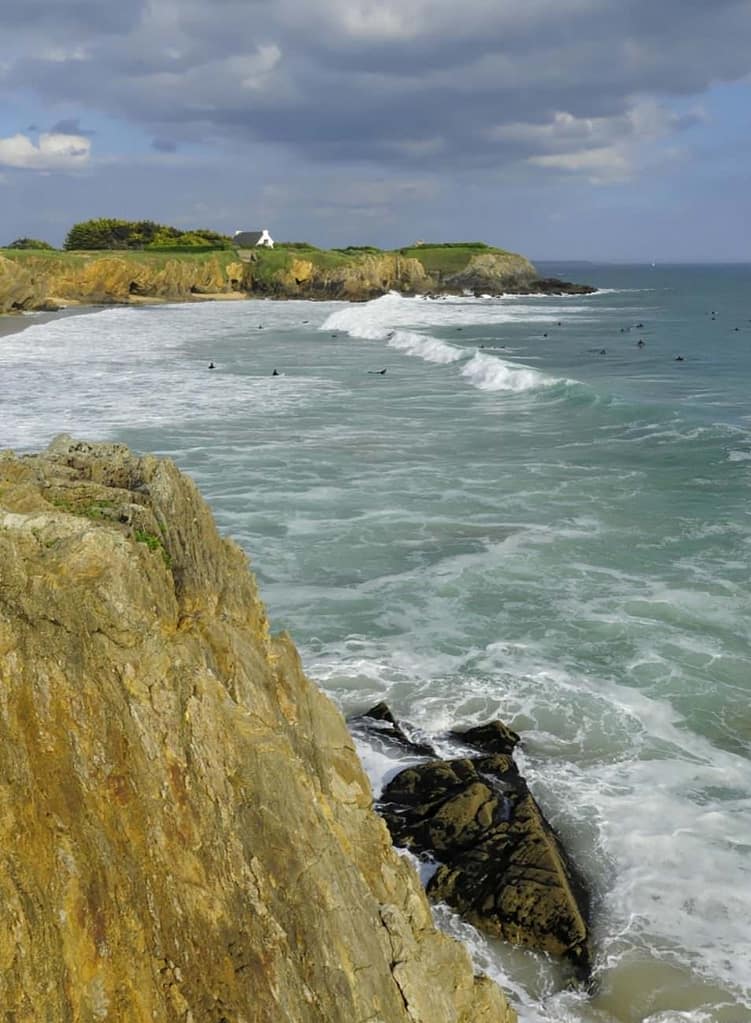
505 524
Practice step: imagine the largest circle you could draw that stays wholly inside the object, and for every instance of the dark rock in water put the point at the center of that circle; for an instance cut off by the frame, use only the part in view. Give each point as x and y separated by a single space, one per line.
495 737
380 721
502 865
554 286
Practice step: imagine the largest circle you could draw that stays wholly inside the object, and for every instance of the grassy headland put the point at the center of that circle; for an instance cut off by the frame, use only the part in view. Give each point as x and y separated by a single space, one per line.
33 279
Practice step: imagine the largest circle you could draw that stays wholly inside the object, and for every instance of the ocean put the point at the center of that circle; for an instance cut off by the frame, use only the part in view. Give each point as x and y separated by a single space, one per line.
529 516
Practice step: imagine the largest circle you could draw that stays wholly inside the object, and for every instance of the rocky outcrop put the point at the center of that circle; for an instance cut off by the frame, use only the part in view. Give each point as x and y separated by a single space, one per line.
555 286
500 864
54 280
357 280
186 833
492 274
50 281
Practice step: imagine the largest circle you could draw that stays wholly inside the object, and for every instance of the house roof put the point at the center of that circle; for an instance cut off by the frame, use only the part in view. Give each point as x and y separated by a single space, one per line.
247 239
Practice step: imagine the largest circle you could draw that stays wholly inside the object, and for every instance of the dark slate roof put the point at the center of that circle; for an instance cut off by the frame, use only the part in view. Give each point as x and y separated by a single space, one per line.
247 239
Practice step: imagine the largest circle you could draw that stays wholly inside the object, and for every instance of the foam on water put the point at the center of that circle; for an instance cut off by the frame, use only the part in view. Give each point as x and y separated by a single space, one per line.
652 820
373 320
104 373
428 348
488 373
379 320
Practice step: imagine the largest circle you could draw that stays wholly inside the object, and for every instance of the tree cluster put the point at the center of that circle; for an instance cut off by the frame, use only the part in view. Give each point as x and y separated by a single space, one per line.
110 233
29 243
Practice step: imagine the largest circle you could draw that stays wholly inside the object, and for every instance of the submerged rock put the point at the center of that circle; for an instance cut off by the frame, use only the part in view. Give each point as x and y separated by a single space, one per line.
186 833
381 723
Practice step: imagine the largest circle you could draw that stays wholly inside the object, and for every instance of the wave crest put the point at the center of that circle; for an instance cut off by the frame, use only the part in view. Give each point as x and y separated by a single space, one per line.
488 373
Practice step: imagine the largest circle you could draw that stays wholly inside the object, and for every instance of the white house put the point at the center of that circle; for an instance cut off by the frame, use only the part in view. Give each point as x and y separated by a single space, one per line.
253 239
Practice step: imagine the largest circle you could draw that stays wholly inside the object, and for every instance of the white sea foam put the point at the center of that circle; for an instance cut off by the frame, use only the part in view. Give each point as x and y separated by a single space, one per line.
488 373
374 320
645 807
97 374
425 347
381 320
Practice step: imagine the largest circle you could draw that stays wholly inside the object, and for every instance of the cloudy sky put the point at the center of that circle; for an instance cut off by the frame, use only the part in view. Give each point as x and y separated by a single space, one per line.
586 129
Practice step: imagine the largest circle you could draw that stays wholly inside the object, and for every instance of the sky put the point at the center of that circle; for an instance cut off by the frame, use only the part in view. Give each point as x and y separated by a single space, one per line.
563 129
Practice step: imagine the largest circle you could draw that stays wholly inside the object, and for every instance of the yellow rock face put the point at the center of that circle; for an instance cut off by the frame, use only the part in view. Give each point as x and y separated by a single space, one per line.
186 833
112 279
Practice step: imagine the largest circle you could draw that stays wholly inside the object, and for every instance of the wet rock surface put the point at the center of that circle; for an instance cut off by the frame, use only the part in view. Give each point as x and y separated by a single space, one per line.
379 722
501 864
554 286
494 737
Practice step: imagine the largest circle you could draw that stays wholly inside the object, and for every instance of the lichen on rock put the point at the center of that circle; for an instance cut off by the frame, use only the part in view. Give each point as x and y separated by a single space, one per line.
186 833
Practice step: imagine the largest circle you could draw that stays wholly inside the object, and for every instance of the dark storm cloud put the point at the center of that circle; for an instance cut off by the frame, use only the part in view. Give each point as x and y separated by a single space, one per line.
68 16
429 82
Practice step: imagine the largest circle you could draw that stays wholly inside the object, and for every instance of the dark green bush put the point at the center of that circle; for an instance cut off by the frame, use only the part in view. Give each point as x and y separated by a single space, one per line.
29 243
111 233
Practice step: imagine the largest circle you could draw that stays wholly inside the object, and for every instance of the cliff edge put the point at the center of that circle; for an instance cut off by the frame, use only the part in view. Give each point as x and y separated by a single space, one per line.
187 833
30 280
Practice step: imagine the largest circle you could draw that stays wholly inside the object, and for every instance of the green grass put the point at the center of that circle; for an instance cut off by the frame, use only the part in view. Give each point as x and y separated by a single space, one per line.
96 510
150 257
440 259
268 262
449 257
154 543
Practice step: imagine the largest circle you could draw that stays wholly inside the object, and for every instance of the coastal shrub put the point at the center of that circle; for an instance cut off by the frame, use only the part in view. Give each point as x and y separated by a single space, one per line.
355 249
29 243
295 245
111 233
447 245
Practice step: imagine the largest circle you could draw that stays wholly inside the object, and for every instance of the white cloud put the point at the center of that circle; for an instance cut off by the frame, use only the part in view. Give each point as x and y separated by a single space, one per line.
54 151
607 164
605 150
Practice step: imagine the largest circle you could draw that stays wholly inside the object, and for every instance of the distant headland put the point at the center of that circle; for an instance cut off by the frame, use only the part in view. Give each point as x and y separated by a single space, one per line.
112 262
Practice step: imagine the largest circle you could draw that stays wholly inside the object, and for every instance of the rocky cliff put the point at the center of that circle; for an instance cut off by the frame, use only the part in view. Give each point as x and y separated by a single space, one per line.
371 275
51 280
187 833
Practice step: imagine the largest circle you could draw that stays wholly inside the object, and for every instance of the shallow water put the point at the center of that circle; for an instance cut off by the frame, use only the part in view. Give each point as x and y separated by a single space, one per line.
504 524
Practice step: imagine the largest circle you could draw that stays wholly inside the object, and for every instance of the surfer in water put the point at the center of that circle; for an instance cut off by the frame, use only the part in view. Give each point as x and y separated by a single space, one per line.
377 372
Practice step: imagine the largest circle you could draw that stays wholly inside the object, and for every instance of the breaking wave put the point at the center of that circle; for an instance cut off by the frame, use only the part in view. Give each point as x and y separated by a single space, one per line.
388 317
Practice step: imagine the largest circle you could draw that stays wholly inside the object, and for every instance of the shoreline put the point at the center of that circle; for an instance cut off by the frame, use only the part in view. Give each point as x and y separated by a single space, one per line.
15 323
